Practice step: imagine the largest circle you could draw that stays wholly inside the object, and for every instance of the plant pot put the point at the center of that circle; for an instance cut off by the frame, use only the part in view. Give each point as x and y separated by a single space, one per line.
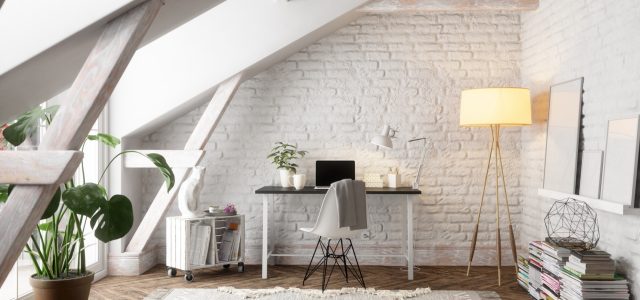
76 288
285 178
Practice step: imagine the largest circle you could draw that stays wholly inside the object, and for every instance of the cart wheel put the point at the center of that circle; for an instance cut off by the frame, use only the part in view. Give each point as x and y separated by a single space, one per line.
226 266
172 272
240 267
188 277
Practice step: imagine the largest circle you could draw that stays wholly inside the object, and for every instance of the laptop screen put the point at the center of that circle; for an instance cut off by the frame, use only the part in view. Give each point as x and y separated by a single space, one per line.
330 171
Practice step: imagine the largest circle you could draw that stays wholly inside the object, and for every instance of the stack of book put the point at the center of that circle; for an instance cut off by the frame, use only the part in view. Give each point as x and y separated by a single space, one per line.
553 260
591 275
523 272
535 269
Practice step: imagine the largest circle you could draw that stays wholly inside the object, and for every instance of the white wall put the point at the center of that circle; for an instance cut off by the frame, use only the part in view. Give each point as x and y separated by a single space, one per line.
331 97
599 40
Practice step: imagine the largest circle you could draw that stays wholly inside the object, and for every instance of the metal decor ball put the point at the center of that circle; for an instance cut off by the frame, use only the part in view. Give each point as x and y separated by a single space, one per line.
572 224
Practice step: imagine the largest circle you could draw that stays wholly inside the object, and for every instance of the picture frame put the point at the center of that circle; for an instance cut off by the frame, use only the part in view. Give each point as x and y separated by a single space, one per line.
563 136
621 161
591 174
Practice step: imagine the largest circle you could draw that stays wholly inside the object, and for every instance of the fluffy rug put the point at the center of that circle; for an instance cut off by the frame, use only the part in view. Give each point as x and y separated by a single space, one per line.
229 293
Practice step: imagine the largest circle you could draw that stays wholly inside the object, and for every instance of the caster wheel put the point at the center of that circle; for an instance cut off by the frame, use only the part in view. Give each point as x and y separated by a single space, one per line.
188 277
240 267
172 272
226 266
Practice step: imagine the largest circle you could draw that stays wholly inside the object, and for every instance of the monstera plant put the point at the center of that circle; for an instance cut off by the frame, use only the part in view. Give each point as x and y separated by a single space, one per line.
57 246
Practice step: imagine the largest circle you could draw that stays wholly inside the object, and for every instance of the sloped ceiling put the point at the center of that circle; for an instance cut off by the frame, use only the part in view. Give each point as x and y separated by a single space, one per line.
44 57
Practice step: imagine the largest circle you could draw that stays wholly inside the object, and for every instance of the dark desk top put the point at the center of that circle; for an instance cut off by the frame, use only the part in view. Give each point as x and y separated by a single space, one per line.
312 190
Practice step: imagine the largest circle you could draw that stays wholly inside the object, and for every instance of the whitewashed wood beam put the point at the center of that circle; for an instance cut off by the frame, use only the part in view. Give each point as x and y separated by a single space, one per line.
37 167
197 141
388 6
86 98
175 158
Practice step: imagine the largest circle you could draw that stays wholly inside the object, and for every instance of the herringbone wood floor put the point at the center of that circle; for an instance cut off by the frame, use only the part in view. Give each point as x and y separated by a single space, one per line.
379 277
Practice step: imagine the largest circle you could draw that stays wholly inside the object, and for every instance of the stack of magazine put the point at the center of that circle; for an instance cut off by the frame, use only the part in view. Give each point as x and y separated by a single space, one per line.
535 269
561 274
523 272
553 260
591 275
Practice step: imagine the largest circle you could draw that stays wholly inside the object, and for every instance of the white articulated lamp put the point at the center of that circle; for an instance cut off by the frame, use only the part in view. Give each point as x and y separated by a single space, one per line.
495 107
384 140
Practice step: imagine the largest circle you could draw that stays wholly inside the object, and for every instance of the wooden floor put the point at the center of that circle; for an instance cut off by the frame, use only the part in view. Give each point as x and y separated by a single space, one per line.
390 278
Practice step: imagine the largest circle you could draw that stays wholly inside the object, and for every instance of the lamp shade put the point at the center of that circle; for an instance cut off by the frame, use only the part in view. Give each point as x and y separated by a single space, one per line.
495 106
384 138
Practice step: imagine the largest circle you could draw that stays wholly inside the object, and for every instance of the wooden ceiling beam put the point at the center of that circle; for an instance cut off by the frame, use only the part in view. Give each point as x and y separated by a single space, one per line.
37 167
86 98
388 6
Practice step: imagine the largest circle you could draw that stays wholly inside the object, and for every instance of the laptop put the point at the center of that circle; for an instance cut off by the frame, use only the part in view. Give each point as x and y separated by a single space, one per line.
330 171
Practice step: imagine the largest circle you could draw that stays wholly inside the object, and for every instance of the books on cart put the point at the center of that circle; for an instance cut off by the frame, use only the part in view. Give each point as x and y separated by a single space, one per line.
199 243
230 245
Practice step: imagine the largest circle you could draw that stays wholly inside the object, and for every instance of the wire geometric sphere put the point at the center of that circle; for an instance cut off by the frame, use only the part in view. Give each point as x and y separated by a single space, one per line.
572 224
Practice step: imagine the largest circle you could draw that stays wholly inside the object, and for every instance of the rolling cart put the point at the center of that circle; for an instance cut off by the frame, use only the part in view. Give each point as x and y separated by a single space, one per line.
186 243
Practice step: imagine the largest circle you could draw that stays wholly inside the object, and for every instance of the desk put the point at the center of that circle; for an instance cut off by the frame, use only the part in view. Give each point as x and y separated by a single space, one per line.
267 191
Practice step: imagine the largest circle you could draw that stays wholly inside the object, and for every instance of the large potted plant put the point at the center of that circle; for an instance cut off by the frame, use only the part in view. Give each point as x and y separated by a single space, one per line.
282 156
57 245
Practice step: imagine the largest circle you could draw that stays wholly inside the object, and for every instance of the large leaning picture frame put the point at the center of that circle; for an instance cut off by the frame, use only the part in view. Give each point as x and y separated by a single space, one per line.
563 136
621 161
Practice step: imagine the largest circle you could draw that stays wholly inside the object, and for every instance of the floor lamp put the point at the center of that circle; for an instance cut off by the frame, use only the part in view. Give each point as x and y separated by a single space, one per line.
493 108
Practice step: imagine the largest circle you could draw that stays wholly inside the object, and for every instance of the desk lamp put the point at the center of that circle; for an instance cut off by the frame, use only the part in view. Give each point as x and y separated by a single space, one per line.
384 140
493 108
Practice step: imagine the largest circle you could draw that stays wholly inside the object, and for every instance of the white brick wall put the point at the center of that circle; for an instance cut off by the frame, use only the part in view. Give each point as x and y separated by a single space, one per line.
332 97
597 39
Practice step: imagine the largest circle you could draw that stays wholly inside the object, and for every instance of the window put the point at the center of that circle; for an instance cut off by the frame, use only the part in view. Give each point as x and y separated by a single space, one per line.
17 283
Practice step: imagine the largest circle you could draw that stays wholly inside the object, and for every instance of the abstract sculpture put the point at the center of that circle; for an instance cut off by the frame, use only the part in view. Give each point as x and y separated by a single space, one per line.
572 224
190 193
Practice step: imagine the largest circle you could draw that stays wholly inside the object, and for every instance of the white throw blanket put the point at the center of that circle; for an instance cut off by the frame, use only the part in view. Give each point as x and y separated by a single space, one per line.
352 203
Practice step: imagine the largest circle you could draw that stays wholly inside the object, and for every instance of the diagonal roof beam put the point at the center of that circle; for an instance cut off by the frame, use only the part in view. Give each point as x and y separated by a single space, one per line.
197 141
86 99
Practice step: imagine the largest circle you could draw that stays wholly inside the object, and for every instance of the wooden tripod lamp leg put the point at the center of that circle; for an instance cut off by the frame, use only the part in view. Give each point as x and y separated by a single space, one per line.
506 199
498 246
484 188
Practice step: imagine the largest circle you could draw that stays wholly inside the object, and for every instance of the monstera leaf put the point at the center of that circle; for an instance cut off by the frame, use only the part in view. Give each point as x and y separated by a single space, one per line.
84 199
159 161
4 192
113 219
104 138
53 205
27 124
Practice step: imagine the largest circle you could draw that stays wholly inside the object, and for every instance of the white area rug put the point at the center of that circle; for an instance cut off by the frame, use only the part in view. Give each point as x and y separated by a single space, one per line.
278 293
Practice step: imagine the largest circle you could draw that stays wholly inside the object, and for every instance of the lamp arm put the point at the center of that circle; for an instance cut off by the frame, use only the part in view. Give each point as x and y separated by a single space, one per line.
416 182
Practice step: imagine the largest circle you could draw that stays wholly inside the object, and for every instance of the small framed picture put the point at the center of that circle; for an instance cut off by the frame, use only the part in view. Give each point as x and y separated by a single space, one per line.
621 161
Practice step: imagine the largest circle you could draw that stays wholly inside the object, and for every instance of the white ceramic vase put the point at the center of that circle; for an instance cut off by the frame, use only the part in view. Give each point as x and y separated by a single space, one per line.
190 193
285 178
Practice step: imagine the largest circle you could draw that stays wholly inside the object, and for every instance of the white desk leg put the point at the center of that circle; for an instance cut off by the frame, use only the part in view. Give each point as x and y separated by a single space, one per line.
409 237
265 235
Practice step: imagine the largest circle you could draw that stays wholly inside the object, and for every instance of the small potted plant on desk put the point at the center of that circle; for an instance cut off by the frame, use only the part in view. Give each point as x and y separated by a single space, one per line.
282 156
57 245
